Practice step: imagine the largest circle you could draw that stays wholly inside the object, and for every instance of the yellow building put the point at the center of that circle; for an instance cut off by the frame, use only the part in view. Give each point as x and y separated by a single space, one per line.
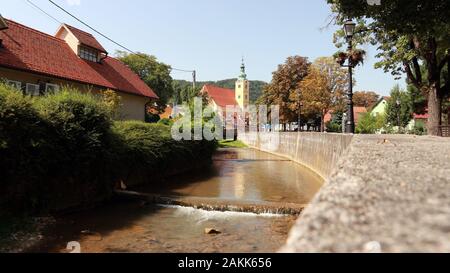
38 63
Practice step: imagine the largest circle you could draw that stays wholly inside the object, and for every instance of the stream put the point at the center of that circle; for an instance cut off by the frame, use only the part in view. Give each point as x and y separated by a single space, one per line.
237 175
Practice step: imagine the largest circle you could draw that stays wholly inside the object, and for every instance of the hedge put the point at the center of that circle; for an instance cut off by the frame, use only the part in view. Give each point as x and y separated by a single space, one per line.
64 150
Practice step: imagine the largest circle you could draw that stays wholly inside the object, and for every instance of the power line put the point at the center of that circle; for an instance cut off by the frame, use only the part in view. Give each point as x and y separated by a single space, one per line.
43 11
109 39
93 29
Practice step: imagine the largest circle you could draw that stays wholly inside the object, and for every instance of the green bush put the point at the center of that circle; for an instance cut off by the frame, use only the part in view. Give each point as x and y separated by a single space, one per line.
63 150
419 129
25 139
166 121
55 149
369 124
81 155
148 152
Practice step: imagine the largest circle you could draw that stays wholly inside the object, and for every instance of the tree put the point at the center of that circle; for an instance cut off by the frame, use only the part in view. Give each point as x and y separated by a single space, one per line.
335 125
323 89
370 124
408 33
155 74
365 99
184 93
399 111
113 103
284 84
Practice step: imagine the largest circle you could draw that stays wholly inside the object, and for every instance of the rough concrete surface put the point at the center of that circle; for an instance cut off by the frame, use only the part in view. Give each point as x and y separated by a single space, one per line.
319 152
387 194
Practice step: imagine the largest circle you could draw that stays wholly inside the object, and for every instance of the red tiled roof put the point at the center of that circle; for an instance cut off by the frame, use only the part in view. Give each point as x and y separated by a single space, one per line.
358 112
86 38
223 97
421 116
30 50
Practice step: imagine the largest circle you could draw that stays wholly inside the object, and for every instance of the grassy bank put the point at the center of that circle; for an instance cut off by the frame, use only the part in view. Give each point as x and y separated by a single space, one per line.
64 151
232 144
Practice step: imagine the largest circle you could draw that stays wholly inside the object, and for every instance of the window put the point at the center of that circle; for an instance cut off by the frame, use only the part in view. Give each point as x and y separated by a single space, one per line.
51 88
15 84
32 89
88 54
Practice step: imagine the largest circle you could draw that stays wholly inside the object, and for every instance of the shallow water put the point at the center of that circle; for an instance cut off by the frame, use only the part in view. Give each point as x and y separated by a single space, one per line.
250 175
244 174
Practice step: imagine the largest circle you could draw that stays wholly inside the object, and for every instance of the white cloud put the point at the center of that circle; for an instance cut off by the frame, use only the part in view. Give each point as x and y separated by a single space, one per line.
73 2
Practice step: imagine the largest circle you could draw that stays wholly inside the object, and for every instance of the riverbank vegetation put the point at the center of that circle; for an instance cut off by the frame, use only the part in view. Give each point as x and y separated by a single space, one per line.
64 151
232 144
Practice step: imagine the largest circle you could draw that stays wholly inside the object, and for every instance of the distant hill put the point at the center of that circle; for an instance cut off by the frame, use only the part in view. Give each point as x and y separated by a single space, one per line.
256 87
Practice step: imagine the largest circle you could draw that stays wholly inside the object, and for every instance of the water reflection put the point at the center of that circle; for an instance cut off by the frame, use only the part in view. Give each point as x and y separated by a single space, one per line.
235 175
247 174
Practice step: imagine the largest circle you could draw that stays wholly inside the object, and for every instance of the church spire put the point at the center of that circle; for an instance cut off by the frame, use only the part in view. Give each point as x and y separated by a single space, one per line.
243 75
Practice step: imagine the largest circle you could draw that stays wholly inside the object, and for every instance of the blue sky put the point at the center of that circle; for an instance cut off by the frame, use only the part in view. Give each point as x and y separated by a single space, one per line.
210 36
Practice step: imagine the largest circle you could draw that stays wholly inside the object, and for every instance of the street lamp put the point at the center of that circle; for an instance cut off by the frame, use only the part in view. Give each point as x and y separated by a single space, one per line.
349 29
398 102
300 116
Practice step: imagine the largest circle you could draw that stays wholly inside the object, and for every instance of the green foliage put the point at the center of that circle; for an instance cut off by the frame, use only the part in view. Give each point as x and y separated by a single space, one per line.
413 39
63 151
53 146
232 144
166 121
369 124
24 136
399 110
154 73
335 125
419 129
283 89
113 103
149 151
184 92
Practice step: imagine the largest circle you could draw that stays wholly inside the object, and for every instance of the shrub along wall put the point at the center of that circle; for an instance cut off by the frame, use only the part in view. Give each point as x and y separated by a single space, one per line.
64 150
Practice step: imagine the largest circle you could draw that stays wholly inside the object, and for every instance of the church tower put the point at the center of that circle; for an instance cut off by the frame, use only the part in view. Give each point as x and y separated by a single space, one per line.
242 90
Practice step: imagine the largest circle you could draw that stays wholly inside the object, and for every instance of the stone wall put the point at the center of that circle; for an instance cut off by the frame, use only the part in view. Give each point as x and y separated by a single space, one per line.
319 152
387 193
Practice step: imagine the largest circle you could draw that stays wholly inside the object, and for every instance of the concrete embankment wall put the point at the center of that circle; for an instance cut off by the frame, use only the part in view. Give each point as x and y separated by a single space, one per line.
319 152
387 193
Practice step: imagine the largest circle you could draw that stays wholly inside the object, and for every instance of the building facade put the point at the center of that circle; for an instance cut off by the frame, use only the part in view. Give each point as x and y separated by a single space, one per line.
221 98
38 63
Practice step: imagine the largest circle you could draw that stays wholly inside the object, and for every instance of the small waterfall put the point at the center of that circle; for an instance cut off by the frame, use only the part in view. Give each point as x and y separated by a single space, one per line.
215 205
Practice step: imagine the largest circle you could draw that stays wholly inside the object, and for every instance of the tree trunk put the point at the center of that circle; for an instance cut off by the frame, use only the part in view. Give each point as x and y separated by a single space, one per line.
322 123
434 111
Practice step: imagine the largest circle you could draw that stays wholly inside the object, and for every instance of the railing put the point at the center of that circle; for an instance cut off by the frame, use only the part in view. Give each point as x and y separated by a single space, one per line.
444 131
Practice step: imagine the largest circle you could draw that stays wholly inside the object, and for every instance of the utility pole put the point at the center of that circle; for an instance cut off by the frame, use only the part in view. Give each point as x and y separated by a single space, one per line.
194 79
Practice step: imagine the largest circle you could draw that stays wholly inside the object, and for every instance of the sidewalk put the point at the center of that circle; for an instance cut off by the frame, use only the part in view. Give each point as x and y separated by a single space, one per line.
388 194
